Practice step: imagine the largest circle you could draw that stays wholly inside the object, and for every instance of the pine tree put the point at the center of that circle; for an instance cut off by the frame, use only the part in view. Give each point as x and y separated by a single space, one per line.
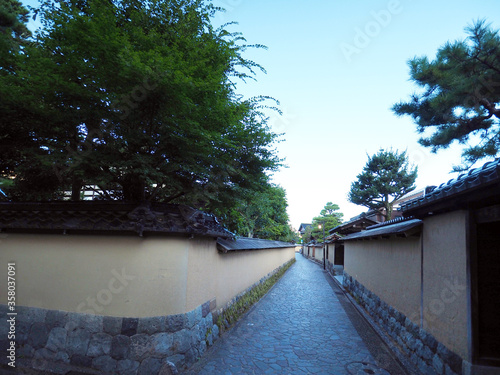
329 218
386 177
460 96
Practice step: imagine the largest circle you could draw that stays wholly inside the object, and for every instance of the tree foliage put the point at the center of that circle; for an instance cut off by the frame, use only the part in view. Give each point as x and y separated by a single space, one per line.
137 98
259 214
13 32
460 96
386 177
329 218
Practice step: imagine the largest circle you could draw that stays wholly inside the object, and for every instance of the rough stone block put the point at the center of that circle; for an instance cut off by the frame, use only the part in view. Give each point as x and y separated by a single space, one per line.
424 368
419 347
56 318
411 342
112 325
427 354
38 336
4 327
151 325
141 346
194 317
31 314
399 317
163 344
450 358
205 309
209 319
150 366
392 323
105 364
62 357
215 331
25 351
22 332
129 326
99 345
412 327
77 342
44 354
178 360
428 340
57 339
120 347
438 364
4 309
89 322
182 341
174 323
81 360
414 358
192 356
127 367
168 369
449 371
210 339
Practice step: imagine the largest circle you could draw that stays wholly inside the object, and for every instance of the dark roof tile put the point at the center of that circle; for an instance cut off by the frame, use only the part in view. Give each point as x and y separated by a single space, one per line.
245 243
109 217
400 227
488 174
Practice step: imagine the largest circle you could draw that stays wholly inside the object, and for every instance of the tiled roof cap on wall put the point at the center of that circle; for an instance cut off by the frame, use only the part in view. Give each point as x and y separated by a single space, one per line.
397 227
488 174
245 243
86 217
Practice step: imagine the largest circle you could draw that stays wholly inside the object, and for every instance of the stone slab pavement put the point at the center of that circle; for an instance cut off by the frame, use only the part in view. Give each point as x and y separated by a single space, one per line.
304 325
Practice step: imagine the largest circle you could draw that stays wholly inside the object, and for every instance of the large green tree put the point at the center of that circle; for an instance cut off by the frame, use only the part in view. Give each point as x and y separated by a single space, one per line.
138 98
13 32
18 115
460 95
329 218
260 214
386 177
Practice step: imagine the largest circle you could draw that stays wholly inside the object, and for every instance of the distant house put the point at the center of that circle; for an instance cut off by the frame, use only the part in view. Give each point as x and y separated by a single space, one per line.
302 229
431 277
415 194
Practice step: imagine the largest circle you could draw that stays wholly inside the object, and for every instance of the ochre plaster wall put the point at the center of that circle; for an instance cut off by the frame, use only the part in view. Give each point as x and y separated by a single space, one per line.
390 268
106 275
213 274
444 282
129 276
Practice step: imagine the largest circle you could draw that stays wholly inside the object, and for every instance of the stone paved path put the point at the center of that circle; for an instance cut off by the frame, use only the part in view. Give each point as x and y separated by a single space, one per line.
302 326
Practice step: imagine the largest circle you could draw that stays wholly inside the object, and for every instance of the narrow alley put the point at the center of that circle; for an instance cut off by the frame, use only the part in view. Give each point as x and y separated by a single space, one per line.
304 325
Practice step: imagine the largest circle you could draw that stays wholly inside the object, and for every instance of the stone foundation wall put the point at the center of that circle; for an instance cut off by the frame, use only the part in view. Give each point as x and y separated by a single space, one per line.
59 341
423 350
333 269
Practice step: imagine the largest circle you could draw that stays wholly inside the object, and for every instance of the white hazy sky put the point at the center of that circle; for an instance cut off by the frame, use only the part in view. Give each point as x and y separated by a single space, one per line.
337 67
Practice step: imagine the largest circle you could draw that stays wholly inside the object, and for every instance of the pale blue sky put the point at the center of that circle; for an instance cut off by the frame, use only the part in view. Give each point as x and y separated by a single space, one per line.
336 104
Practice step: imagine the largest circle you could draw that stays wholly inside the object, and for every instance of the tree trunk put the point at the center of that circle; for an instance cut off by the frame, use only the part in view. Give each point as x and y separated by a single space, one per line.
134 188
76 189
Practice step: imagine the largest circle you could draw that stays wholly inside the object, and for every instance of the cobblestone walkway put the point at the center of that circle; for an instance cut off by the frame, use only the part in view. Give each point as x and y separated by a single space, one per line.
299 327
